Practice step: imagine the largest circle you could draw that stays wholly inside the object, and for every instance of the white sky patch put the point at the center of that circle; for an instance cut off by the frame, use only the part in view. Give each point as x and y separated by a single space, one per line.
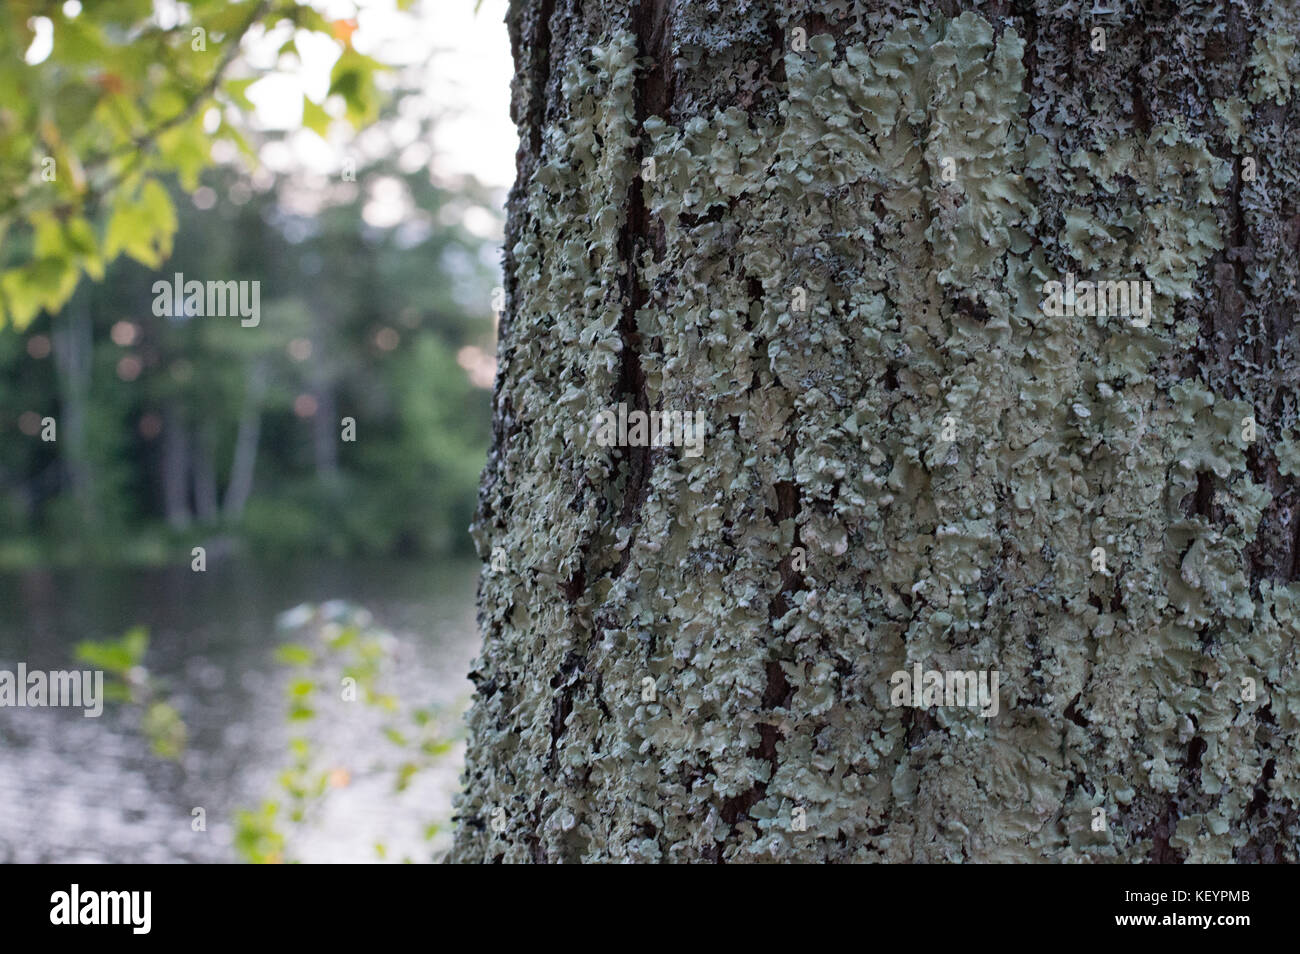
43 41
479 221
278 99
317 54
387 203
470 77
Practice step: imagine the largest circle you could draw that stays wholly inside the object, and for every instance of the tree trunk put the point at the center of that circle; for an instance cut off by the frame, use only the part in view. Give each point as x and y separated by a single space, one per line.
921 459
176 468
73 355
206 506
244 460
325 429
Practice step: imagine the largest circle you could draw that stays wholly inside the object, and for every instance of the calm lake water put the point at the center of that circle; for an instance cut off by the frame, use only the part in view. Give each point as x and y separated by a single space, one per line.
74 789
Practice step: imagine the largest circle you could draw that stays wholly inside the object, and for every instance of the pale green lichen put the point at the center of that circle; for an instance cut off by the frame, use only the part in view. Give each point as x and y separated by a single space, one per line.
1233 112
1271 63
1288 456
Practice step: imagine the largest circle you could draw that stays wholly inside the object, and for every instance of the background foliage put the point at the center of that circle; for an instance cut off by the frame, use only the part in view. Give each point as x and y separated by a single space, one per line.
126 155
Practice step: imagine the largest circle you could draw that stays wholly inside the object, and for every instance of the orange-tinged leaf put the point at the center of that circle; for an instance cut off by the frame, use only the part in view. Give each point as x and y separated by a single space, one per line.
343 30
111 83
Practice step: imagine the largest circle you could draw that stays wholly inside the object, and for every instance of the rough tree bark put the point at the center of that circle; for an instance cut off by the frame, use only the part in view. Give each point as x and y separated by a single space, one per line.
839 253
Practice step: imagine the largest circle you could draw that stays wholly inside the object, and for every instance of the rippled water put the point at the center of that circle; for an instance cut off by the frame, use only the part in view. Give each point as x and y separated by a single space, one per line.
76 789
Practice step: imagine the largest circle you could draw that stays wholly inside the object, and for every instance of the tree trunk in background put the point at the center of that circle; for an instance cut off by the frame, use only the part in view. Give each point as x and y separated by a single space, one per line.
73 355
206 506
325 429
244 461
175 469
839 256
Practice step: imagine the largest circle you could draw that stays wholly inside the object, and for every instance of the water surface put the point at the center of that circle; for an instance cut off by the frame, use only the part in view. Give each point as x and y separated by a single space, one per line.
74 789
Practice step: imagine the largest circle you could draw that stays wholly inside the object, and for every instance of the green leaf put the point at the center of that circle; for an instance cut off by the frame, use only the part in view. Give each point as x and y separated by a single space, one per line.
353 78
116 656
187 149
237 89
299 712
158 206
230 17
165 729
293 654
315 117
142 229
81 241
43 283
78 41
437 747
346 637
